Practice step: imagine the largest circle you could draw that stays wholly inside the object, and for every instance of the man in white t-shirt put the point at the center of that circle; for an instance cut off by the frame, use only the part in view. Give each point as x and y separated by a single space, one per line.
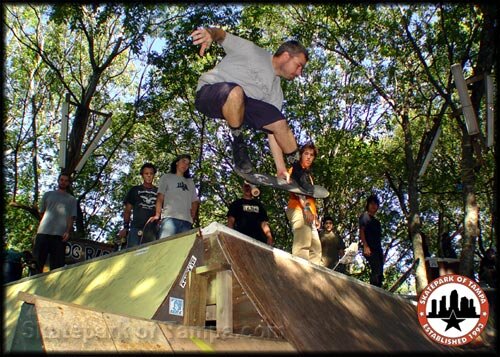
58 211
177 201
245 88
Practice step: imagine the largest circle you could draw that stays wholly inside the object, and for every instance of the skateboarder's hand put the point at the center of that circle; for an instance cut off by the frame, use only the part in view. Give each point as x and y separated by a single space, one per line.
367 251
284 175
203 37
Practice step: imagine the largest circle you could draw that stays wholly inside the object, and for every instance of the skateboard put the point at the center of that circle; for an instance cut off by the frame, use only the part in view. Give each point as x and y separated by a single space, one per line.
269 180
148 233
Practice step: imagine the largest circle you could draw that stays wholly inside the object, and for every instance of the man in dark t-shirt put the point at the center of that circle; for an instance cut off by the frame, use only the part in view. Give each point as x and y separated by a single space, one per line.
247 215
140 204
370 234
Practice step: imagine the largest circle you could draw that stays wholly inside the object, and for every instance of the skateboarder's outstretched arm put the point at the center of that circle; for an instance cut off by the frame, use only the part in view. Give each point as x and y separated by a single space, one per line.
205 37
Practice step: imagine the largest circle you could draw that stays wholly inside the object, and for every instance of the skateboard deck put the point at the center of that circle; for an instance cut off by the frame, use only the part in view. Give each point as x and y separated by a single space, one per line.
269 180
149 232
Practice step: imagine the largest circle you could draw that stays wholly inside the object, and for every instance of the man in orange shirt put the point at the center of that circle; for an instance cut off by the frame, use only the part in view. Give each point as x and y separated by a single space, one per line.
303 215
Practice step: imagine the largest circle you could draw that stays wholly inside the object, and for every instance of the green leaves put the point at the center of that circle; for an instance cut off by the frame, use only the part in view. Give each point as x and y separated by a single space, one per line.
377 80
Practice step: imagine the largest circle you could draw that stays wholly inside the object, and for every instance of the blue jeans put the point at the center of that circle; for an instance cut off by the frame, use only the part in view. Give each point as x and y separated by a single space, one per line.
170 226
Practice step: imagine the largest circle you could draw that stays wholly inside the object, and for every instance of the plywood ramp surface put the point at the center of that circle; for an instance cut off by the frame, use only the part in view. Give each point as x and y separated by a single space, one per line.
65 327
319 310
133 282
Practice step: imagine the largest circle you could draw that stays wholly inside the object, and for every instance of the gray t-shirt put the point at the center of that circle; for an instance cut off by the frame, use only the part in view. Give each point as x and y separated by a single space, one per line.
179 193
249 66
57 207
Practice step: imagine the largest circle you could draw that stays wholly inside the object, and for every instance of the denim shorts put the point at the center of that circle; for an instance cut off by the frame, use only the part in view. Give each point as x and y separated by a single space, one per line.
211 98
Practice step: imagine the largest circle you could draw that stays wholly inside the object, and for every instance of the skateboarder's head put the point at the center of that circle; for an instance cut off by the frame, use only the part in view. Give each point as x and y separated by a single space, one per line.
294 48
290 59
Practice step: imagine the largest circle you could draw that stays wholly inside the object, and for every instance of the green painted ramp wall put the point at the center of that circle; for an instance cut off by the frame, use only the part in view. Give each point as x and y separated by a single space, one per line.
133 282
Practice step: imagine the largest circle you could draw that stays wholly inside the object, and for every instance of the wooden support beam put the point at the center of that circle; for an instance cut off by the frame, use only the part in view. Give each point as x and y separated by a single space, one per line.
403 277
196 300
224 298
211 268
211 314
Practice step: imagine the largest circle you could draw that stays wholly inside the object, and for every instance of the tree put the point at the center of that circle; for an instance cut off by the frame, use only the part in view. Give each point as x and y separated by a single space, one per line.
84 50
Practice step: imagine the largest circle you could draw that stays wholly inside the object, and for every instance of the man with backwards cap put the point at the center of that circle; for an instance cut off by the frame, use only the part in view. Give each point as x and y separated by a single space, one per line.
177 201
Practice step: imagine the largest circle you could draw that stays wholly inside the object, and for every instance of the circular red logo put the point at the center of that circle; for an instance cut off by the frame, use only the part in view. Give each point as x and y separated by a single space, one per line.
453 310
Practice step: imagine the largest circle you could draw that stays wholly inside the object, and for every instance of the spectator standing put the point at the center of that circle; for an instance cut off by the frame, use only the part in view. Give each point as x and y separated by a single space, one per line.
177 201
140 205
302 213
332 246
58 210
488 269
447 246
370 234
248 215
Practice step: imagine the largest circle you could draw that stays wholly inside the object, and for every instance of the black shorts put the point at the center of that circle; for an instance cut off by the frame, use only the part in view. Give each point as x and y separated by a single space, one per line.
211 98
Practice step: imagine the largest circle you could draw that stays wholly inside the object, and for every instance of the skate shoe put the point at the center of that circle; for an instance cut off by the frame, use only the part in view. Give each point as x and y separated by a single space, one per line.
240 156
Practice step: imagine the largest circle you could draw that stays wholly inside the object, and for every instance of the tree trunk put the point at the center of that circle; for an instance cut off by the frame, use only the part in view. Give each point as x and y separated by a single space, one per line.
414 223
471 209
414 226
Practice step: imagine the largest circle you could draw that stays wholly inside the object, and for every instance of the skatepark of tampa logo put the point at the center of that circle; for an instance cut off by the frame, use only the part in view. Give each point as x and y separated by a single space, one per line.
453 310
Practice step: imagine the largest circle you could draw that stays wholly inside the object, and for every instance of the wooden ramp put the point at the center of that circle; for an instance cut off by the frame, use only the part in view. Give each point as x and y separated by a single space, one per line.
215 278
138 282
316 309
57 327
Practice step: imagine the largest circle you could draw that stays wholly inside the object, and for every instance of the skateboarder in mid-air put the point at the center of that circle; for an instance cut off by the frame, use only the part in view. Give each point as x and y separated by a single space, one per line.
245 88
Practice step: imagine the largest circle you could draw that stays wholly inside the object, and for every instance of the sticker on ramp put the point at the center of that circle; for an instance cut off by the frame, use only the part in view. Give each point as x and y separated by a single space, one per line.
176 306
189 267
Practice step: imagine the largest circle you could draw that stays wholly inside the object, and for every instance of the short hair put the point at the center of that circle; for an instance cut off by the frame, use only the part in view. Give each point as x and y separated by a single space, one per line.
64 173
372 199
327 218
293 47
309 145
148 165
173 165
